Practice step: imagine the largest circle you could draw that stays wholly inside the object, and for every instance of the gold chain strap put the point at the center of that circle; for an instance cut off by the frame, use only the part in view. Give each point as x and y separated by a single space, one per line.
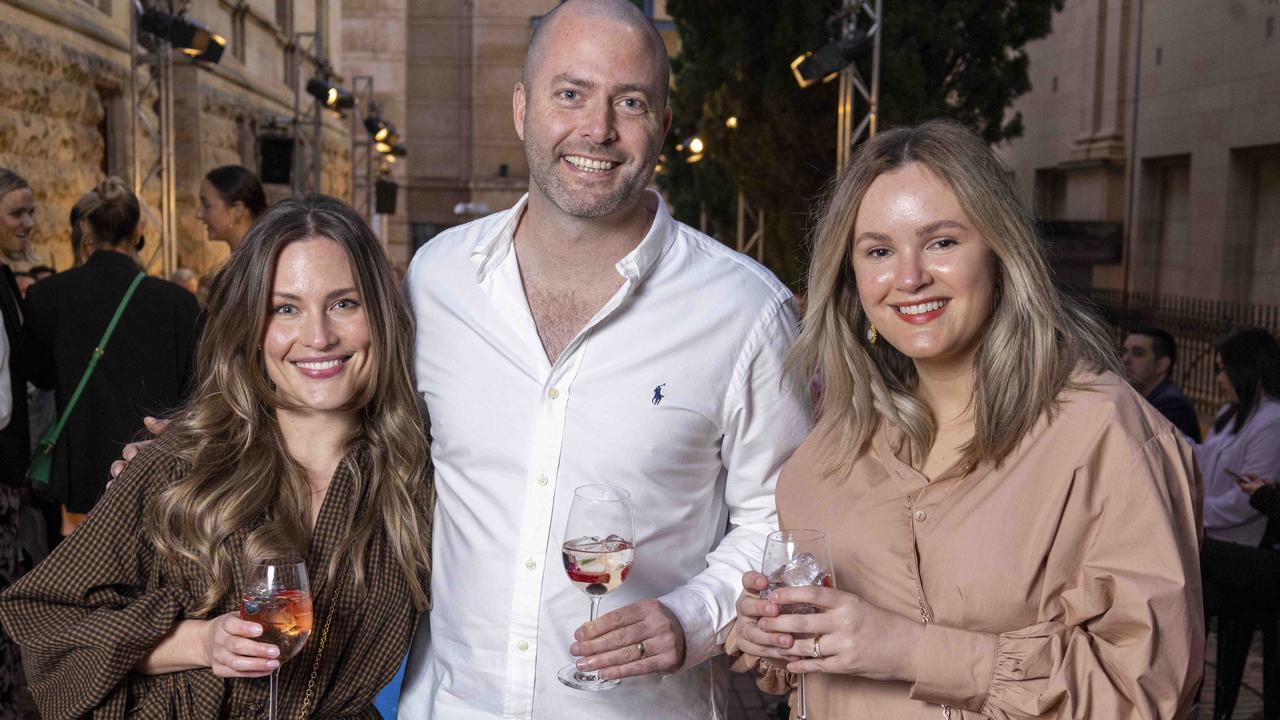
324 636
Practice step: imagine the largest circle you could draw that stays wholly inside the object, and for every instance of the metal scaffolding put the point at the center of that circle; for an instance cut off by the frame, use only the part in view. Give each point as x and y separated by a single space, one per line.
160 135
363 180
853 85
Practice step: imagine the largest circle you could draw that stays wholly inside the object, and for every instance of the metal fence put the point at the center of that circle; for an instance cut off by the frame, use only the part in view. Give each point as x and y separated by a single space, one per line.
1195 323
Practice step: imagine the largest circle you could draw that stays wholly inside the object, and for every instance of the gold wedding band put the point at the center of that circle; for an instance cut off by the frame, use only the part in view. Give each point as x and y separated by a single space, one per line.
640 647
817 651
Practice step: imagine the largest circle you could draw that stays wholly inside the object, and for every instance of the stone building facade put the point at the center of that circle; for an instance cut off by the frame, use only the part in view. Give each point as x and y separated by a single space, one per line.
65 110
1157 119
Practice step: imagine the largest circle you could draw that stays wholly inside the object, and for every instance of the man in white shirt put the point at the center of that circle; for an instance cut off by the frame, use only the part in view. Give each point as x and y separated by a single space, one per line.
585 336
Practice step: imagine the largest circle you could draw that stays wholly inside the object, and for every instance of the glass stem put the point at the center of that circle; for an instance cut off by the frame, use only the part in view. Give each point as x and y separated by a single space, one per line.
803 713
591 675
271 694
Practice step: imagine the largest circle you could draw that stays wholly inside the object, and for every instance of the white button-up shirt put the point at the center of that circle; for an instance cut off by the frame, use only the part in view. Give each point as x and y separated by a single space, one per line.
674 391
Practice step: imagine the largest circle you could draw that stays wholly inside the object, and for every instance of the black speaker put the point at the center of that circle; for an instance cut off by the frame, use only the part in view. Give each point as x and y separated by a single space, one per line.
385 197
276 152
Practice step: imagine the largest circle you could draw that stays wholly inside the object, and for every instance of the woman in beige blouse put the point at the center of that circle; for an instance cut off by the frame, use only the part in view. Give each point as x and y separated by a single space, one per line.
1013 529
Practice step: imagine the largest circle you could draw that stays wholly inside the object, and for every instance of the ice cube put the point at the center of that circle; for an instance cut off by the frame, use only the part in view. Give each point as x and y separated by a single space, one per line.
613 543
800 571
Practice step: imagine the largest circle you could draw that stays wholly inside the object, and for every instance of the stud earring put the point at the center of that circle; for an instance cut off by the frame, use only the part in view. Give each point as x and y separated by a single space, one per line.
872 335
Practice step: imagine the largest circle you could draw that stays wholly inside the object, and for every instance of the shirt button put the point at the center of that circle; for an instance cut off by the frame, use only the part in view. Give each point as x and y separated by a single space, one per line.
920 516
531 564
522 645
553 393
542 480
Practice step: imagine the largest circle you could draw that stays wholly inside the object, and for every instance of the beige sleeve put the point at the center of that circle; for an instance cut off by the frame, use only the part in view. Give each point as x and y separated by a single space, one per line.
771 678
1127 637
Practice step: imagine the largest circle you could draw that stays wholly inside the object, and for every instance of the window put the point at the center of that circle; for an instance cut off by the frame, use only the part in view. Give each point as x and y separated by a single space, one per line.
1264 226
1165 225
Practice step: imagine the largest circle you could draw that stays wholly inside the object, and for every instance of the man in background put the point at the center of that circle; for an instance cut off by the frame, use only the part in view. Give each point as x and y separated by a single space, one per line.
1149 356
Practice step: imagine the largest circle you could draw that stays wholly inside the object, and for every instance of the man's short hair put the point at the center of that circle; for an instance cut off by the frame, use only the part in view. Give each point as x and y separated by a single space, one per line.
1162 343
615 10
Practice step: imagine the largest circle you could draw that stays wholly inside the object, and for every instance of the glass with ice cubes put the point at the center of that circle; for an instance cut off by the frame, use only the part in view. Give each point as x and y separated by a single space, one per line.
797 558
598 551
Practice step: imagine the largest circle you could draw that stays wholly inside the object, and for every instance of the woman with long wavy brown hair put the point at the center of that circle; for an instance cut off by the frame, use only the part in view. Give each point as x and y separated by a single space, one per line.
303 438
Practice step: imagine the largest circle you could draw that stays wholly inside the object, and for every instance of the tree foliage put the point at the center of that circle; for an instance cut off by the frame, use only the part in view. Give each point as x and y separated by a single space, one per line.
961 59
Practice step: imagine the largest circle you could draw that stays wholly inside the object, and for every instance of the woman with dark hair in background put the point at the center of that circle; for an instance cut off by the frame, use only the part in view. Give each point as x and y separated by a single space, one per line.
1240 461
303 439
231 199
1012 527
1245 439
148 362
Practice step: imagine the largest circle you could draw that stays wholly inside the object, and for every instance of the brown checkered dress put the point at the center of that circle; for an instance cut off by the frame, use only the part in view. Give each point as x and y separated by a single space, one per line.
87 614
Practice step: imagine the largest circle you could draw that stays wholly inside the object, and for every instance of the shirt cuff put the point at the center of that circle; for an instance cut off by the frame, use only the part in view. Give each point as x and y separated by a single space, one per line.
700 638
954 667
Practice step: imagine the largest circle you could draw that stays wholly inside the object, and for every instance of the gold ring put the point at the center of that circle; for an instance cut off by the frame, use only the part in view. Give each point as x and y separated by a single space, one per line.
817 651
640 647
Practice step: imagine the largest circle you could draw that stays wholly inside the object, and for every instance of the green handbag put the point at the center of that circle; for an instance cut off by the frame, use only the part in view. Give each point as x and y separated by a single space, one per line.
42 462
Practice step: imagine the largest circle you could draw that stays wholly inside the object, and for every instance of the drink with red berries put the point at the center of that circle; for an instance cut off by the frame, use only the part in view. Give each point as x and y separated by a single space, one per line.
597 565
598 551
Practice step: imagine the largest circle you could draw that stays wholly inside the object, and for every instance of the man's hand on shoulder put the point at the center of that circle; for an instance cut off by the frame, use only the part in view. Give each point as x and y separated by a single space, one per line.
154 426
638 639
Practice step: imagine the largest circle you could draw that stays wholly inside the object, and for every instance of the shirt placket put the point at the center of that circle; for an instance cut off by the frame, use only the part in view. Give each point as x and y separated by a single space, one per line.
535 528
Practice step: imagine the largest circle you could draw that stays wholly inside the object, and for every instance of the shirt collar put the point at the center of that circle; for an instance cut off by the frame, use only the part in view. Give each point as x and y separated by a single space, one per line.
495 242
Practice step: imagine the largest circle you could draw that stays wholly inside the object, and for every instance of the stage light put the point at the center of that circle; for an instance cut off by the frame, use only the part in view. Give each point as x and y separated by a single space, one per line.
333 96
695 145
835 56
731 122
194 38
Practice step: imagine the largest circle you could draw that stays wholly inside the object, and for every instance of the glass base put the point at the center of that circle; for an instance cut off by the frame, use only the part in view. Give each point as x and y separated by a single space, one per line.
573 677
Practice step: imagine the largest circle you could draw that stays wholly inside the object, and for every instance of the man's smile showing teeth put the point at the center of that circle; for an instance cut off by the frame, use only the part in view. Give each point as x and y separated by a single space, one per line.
588 164
921 308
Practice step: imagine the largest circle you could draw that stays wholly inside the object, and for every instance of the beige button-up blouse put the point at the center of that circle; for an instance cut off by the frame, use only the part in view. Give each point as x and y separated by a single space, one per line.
1064 583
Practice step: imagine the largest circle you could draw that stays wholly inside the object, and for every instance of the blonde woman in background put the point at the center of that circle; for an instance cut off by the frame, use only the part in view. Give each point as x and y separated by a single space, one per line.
1013 529
17 222
148 362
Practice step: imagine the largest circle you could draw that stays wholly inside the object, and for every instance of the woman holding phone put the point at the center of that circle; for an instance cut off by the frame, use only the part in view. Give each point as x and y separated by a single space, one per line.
1245 438
1240 461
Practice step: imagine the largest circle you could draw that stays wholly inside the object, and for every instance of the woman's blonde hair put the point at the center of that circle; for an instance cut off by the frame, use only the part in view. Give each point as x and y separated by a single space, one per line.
112 212
1034 339
10 181
240 470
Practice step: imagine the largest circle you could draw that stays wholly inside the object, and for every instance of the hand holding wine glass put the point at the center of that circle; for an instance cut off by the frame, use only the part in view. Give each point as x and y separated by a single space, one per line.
798 558
277 596
598 552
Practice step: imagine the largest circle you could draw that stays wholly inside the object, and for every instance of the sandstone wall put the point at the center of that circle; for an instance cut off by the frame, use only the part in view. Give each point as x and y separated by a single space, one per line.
65 114
49 126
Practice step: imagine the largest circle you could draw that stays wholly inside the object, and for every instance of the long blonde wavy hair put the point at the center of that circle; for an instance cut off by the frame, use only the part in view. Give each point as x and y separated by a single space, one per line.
240 471
1034 339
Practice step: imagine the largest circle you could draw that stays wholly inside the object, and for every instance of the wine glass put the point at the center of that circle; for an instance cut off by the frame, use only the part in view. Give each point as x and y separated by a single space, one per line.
598 551
797 558
277 596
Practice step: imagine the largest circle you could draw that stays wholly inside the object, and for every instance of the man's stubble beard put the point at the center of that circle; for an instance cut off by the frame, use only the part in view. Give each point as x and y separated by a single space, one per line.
545 176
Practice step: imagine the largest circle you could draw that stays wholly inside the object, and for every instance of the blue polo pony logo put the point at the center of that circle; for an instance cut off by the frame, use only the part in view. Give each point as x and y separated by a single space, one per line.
657 394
